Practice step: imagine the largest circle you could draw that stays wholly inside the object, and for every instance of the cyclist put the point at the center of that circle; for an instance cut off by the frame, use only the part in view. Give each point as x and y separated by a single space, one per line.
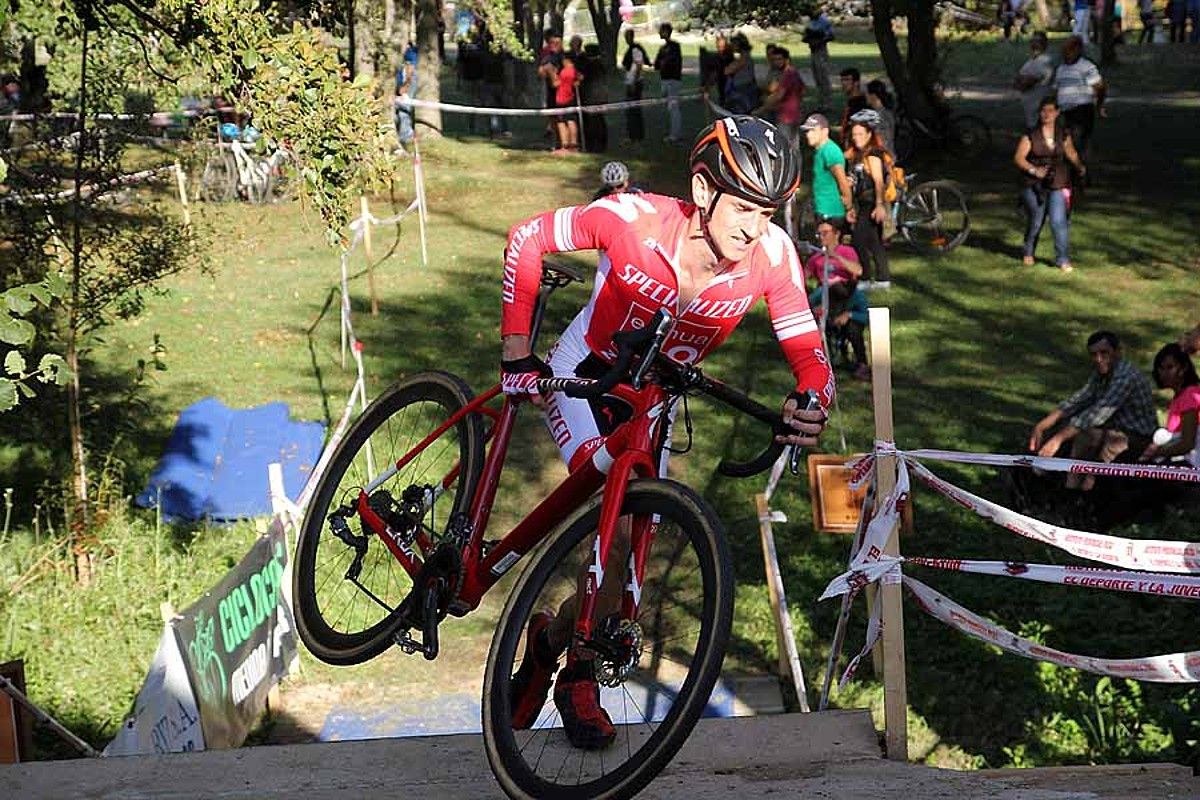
707 261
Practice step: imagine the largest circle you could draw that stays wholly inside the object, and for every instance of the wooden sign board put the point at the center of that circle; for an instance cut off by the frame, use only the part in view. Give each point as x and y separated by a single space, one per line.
16 724
835 505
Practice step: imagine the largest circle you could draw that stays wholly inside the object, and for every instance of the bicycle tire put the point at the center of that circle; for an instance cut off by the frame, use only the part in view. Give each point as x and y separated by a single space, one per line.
400 418
218 180
934 217
968 135
687 590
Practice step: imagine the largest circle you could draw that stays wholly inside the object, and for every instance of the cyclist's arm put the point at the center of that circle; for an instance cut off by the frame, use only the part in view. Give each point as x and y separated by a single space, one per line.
795 328
563 230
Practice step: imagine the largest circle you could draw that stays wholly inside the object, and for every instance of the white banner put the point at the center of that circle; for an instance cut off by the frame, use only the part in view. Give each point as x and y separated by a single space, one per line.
1112 580
1187 474
1151 555
165 718
1170 668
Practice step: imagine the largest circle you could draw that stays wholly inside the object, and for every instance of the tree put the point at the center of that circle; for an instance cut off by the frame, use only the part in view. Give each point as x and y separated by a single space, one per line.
606 20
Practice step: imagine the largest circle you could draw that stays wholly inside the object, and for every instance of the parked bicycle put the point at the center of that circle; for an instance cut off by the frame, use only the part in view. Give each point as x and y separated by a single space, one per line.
964 135
234 171
385 554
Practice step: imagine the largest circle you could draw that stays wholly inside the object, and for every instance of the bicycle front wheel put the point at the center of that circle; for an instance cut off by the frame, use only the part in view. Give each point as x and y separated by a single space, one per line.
656 672
348 585
218 181
934 217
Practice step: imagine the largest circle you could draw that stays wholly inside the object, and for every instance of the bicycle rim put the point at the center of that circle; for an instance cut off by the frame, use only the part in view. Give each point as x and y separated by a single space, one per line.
935 217
347 621
657 690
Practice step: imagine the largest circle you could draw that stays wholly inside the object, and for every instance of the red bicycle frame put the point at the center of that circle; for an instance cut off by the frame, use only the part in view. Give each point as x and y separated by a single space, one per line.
628 452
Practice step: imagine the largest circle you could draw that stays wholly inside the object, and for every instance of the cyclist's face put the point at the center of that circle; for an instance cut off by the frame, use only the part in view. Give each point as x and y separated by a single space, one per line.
736 224
860 135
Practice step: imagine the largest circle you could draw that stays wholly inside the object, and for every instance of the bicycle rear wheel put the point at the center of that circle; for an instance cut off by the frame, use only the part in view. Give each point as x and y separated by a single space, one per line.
218 181
660 669
968 135
934 217
348 585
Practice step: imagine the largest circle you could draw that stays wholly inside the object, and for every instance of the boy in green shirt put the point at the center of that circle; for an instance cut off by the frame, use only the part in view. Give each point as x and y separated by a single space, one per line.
831 188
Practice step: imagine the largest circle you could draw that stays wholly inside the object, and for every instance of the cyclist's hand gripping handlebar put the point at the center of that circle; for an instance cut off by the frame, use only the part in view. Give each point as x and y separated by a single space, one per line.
643 342
764 460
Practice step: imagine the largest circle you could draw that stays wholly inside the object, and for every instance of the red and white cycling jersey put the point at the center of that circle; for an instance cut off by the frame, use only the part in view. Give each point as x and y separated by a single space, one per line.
641 236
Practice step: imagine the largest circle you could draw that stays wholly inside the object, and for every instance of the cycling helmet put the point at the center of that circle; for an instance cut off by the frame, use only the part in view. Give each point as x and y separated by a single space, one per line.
868 116
747 157
614 173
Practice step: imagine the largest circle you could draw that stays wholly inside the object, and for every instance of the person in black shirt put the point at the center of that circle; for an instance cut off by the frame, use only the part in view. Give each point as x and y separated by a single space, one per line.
856 100
668 62
633 63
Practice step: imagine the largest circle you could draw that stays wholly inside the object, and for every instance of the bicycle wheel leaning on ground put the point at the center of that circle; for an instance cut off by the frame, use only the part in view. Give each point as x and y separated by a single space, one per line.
347 584
218 180
934 217
656 672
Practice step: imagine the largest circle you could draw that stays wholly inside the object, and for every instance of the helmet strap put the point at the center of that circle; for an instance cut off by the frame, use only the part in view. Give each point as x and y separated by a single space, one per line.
705 216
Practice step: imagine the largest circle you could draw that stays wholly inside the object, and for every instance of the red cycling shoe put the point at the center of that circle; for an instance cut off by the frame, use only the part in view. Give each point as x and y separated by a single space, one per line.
531 684
577 697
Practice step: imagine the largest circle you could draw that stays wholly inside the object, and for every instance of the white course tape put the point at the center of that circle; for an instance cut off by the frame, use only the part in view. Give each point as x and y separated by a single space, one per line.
870 563
1188 474
1170 668
1113 580
596 108
87 188
1151 555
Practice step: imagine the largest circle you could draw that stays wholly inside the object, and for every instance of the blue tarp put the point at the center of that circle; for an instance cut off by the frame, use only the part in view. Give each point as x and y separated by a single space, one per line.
215 463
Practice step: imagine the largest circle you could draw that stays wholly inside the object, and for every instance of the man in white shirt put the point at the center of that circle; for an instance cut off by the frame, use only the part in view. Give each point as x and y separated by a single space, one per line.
1033 79
1081 91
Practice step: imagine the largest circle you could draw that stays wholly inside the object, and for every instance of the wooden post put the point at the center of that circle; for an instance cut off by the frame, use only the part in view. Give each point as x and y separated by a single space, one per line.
181 183
785 637
365 219
895 689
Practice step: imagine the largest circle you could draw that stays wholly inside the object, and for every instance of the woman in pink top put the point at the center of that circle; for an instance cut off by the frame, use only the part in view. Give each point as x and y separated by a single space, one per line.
1173 369
565 82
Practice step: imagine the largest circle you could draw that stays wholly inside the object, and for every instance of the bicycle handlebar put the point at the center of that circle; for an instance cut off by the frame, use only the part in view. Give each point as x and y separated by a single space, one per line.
646 343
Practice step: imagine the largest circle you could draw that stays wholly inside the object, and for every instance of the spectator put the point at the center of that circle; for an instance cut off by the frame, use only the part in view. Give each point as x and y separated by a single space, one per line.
1190 341
855 100
668 62
1146 9
1080 92
1193 15
835 269
633 63
741 83
712 68
1042 155
880 100
614 179
492 88
817 35
1177 14
406 88
784 102
575 49
1033 79
593 90
1174 370
830 188
1083 19
1111 415
549 63
1006 13
566 83
773 72
469 67
865 165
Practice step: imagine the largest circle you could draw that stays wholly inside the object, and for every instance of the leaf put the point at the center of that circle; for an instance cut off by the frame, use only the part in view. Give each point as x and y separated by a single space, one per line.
54 368
56 283
18 300
15 331
25 390
8 394
249 59
14 363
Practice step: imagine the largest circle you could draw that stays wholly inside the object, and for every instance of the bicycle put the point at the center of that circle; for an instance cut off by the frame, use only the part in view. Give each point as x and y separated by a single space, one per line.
963 135
233 171
421 556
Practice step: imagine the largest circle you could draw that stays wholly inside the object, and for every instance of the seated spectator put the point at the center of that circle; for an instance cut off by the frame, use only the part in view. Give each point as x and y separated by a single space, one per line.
1113 414
835 269
1174 370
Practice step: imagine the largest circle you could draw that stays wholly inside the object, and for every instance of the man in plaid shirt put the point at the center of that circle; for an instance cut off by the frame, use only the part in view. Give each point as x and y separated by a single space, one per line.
1112 413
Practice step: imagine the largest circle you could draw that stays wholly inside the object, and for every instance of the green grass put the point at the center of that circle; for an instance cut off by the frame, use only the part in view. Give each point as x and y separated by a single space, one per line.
981 349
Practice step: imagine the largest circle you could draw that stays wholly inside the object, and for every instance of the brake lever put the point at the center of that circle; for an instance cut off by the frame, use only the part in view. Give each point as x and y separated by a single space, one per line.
812 403
660 334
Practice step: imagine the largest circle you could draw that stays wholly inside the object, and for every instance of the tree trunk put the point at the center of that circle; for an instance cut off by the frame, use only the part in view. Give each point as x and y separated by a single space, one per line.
363 38
606 19
919 99
1108 41
1043 11
923 68
429 120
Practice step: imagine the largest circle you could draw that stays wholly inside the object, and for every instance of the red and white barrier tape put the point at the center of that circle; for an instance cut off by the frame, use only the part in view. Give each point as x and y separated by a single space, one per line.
1113 580
1169 668
595 108
1151 555
1187 474
870 564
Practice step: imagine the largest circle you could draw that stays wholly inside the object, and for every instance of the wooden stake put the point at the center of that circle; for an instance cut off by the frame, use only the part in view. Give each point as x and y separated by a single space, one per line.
181 184
785 637
895 689
365 218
